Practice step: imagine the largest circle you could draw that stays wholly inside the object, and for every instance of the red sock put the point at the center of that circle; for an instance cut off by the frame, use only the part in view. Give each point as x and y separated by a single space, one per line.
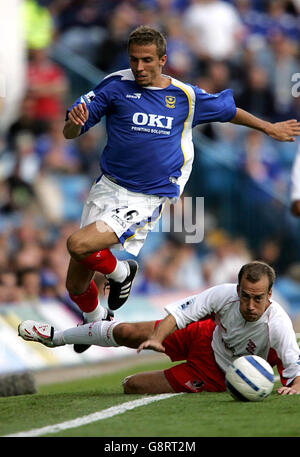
88 301
103 261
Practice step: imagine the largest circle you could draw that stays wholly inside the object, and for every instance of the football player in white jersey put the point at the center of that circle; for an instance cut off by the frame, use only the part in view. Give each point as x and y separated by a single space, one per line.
207 332
147 159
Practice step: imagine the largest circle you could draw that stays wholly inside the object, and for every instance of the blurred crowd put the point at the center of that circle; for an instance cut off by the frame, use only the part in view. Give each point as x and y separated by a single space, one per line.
250 46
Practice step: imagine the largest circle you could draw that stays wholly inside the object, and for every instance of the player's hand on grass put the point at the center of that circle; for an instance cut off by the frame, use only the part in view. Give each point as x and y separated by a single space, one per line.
287 391
284 131
79 114
151 344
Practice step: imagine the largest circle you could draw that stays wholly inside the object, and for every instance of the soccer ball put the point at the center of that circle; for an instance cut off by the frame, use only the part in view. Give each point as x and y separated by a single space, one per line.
249 378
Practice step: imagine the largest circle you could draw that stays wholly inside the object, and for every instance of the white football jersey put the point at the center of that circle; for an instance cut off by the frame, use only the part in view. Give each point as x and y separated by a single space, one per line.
234 336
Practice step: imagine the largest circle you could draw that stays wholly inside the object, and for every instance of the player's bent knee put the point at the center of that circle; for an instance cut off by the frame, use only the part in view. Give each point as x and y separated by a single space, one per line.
131 386
76 246
124 334
72 245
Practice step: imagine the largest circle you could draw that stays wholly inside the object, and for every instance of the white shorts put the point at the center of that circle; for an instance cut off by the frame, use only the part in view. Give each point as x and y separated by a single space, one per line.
130 215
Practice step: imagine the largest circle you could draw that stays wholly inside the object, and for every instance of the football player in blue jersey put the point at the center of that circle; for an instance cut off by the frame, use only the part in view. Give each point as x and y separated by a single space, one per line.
147 159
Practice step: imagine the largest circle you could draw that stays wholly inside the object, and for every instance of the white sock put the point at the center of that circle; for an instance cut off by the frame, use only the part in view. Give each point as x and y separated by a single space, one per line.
58 338
97 333
98 314
121 271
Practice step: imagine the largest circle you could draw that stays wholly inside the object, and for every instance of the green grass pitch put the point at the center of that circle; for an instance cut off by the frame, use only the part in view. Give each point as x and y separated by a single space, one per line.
187 415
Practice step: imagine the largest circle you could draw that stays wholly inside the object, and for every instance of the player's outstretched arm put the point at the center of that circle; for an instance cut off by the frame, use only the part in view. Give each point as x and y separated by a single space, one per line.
292 389
280 131
164 328
77 117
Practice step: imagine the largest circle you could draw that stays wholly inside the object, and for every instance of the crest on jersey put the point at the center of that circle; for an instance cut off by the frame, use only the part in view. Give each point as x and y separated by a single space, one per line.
170 101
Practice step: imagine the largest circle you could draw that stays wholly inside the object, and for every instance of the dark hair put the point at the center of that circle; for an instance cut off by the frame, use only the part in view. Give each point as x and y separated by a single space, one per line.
253 272
144 35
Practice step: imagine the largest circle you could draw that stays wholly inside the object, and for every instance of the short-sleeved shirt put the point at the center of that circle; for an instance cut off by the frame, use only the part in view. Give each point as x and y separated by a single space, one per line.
234 337
149 130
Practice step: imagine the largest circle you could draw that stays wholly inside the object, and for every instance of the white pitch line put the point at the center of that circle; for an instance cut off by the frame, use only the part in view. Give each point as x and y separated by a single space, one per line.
94 417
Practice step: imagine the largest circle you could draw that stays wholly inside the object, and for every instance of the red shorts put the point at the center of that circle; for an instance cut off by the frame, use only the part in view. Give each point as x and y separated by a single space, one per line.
200 371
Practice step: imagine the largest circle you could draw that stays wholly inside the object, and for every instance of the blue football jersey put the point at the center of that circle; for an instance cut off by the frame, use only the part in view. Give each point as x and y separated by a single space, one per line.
149 147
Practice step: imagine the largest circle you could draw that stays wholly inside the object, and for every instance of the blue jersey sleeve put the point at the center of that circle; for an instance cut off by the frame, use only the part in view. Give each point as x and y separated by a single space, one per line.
218 107
97 102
